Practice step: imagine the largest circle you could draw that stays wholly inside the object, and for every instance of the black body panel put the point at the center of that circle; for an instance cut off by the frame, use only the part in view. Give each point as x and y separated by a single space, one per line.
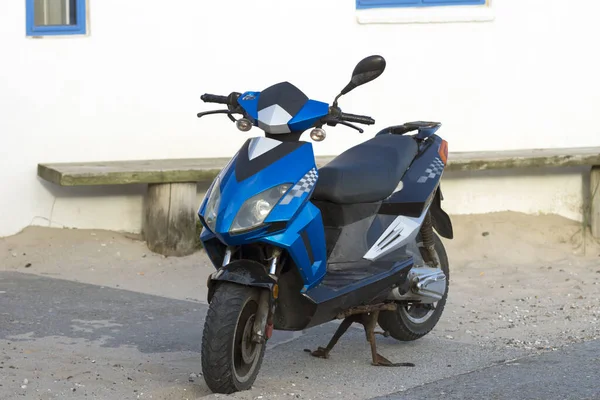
341 275
344 214
345 228
245 168
293 310
368 172
309 252
215 250
284 94
419 183
345 288
244 272
441 220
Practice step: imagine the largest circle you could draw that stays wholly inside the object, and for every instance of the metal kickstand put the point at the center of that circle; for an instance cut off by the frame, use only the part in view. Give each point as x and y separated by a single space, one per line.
323 352
369 321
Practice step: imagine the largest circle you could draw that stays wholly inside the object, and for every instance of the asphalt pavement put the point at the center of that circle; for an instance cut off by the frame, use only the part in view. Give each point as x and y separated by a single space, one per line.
570 373
65 339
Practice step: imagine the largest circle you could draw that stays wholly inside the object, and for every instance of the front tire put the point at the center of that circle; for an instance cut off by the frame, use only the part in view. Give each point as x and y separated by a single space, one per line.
230 360
413 322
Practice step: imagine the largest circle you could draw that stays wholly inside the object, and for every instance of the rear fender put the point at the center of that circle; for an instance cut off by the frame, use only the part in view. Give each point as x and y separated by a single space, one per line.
243 272
441 221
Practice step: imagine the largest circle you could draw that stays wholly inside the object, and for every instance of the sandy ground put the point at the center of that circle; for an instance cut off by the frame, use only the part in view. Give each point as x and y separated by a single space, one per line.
518 283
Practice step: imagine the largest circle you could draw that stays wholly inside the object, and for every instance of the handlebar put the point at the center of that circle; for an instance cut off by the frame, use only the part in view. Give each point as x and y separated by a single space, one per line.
359 119
213 98
335 116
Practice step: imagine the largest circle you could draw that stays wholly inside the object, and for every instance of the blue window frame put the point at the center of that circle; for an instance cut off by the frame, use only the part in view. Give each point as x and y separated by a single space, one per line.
361 4
55 17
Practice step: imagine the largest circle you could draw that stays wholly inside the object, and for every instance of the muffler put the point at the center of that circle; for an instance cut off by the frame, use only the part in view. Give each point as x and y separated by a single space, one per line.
426 285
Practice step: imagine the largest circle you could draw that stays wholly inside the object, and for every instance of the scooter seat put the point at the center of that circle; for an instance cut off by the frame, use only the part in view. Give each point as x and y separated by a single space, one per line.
368 172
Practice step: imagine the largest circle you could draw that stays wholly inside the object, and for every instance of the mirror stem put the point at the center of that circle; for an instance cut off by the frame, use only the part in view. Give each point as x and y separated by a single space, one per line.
335 101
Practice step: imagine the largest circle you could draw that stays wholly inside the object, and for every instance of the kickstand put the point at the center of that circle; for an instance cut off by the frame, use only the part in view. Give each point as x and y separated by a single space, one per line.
324 352
369 321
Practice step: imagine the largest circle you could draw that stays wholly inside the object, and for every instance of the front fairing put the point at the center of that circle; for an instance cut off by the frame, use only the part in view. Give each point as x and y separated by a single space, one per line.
248 175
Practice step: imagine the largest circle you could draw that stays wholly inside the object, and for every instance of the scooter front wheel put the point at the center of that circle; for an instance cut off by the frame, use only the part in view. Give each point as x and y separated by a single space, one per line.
230 359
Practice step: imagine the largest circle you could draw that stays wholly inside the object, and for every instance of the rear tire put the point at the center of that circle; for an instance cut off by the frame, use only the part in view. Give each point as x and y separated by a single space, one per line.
230 361
412 323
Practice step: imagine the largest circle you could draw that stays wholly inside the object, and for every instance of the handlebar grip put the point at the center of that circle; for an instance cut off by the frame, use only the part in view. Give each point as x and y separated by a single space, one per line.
213 98
359 119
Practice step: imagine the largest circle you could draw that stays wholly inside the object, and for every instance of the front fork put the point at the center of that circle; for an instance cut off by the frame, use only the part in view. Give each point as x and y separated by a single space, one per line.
263 323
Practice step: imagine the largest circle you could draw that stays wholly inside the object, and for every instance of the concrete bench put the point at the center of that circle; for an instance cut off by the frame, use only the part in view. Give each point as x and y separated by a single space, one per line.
171 199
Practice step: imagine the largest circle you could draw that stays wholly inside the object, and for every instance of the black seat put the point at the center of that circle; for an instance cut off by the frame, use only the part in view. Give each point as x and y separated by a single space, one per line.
368 172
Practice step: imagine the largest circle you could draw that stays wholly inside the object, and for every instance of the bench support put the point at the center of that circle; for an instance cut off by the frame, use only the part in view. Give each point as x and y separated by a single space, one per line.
595 201
170 219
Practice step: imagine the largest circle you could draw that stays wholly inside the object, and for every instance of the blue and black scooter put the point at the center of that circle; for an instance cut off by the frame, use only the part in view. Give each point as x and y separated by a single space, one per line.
297 246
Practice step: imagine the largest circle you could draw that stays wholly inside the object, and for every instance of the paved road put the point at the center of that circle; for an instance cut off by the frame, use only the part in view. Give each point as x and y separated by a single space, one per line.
64 339
571 373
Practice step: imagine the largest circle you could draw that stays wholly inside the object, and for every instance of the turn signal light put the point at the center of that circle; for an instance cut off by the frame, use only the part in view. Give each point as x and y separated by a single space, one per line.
443 152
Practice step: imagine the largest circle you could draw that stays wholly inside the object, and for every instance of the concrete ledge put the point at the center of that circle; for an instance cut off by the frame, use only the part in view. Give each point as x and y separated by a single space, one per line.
534 158
128 172
205 169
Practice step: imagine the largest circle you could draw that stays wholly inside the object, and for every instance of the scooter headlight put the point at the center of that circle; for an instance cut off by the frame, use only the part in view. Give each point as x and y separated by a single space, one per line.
212 206
255 210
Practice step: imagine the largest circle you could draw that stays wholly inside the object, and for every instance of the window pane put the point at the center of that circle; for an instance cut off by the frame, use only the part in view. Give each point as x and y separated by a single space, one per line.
55 12
38 12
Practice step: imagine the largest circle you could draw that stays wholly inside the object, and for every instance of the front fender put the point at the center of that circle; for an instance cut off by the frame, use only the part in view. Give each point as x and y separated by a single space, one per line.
243 272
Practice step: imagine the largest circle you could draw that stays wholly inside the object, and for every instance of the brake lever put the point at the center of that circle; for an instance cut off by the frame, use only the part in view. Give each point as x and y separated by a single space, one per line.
331 120
228 112
348 124
205 113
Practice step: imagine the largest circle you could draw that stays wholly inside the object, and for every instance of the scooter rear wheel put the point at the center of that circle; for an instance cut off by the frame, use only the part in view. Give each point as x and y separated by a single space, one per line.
230 360
410 322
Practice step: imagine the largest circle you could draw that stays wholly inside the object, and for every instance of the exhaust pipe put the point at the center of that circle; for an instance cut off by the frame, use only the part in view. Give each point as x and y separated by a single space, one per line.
427 285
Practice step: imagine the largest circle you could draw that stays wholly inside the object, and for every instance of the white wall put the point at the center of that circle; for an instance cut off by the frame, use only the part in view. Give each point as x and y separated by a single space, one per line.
130 90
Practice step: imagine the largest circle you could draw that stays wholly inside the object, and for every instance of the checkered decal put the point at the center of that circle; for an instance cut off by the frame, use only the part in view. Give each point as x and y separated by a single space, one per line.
435 169
306 184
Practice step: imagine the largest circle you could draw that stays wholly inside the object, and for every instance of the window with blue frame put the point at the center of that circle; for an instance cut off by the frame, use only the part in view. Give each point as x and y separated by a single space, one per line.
55 17
362 4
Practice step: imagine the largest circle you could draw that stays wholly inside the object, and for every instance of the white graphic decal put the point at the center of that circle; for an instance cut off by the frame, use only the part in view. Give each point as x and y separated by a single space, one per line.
400 231
305 185
435 169
261 145
274 119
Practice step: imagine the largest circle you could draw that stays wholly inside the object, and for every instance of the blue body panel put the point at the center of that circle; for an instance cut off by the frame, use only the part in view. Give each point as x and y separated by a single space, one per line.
249 102
304 119
308 220
420 181
300 217
308 115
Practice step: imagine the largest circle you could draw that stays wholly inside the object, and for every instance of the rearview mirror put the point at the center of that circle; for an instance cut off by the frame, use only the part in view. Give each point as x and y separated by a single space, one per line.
365 71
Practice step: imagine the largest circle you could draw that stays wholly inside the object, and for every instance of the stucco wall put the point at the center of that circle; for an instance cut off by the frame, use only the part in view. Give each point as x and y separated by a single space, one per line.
130 90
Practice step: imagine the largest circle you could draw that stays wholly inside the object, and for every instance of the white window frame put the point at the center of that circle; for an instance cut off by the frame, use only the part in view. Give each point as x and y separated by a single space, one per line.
438 14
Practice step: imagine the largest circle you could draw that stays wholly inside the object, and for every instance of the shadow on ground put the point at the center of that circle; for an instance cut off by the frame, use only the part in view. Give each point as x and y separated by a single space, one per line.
37 307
